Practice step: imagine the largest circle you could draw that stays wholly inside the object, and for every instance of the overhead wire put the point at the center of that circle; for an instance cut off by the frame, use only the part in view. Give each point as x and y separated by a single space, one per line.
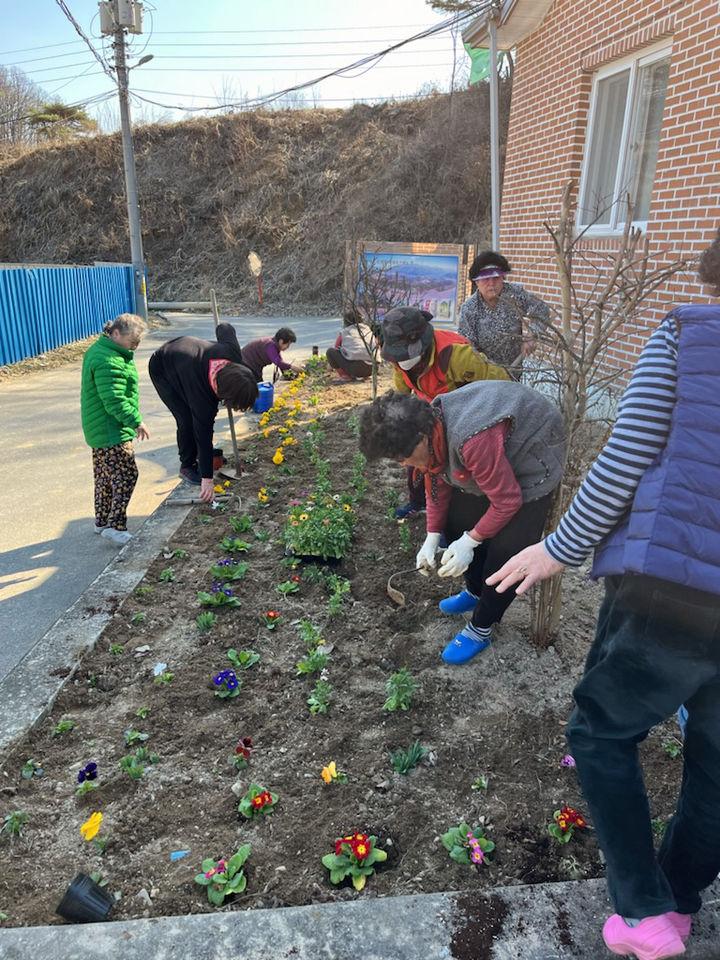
106 69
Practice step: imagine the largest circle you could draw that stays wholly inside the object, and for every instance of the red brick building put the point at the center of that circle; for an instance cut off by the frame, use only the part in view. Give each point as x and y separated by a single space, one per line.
620 96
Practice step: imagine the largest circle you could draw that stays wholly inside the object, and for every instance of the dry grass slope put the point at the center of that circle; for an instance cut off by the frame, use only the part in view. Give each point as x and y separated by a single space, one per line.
292 185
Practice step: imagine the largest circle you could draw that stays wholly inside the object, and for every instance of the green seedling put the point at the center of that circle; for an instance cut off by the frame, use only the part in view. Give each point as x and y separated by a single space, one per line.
63 726
400 688
404 761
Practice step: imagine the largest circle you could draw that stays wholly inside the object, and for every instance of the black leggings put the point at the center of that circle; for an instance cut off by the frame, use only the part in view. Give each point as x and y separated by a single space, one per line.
524 528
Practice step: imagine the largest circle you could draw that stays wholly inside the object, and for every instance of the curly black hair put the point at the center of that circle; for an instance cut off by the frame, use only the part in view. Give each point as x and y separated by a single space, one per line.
393 425
237 386
709 268
488 258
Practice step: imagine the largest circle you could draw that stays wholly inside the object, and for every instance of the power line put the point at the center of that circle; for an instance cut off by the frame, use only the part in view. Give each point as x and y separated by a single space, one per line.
63 6
369 61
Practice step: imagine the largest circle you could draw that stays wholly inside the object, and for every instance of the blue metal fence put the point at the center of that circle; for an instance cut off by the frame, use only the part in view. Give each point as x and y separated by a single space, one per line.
44 307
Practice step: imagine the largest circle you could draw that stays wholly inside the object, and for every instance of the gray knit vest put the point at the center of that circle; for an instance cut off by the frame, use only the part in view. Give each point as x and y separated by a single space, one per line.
534 448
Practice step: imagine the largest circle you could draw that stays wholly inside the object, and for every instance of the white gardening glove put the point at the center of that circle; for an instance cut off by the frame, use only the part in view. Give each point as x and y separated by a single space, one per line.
458 556
425 560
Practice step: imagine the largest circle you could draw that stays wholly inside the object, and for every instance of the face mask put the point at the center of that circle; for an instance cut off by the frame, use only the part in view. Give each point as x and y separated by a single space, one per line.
409 364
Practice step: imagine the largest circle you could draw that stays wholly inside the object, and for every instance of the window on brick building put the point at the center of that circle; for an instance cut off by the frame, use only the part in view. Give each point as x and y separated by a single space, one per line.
621 149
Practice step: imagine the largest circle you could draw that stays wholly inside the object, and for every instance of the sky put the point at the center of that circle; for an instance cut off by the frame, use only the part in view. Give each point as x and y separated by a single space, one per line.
219 51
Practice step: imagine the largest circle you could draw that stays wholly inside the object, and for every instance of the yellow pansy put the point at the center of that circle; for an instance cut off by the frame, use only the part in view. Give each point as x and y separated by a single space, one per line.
91 827
329 772
288 441
266 432
218 488
278 458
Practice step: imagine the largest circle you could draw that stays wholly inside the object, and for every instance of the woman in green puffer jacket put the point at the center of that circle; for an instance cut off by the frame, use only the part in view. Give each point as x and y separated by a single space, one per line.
111 420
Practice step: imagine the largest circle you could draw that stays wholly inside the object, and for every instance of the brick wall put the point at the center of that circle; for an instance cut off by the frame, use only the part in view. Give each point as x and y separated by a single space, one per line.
548 120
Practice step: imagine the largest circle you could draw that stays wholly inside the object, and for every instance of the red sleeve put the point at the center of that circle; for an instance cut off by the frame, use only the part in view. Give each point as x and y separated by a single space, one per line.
487 465
437 510
338 342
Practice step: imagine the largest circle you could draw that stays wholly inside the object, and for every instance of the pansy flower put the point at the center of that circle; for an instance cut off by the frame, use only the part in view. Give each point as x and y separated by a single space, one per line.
90 828
88 773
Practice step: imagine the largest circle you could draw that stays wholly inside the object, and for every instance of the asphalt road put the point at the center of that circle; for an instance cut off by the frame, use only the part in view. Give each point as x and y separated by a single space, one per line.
50 554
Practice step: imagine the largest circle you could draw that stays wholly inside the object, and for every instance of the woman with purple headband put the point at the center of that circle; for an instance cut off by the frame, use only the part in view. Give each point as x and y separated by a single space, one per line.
492 318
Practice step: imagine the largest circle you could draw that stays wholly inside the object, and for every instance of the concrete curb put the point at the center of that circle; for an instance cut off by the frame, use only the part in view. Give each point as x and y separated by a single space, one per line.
557 921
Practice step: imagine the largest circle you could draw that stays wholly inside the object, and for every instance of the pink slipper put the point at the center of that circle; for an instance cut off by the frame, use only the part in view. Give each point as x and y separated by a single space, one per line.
681 922
654 938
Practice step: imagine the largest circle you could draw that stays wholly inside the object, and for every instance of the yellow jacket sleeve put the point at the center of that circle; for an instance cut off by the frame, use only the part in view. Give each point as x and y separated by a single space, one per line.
468 364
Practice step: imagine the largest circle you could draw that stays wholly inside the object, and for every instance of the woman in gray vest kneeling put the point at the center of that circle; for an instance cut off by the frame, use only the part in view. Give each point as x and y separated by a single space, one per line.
492 454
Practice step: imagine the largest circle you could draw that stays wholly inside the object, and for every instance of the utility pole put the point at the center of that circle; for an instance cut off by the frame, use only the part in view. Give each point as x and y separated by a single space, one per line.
493 17
116 17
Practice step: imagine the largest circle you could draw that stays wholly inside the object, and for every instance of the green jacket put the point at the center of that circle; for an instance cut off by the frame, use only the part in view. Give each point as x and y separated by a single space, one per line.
109 398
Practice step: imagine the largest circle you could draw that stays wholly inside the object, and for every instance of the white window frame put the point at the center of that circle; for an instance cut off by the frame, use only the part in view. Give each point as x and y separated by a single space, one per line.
617 212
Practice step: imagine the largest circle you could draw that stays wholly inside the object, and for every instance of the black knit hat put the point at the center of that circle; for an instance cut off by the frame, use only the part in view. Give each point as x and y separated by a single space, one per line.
407 333
488 258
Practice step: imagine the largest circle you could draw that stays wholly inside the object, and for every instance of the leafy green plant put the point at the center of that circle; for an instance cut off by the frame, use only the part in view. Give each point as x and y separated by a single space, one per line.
116 649
310 634
262 535
230 570
167 575
391 499
15 823
142 712
659 826
672 747
257 802
480 784
179 554
164 678
400 688
138 618
313 574
288 587
404 761
31 768
271 619
204 518
134 736
206 620
564 823
314 662
355 856
143 591
404 533
467 846
63 726
224 877
134 763
319 699
219 597
322 527
243 524
243 659
234 545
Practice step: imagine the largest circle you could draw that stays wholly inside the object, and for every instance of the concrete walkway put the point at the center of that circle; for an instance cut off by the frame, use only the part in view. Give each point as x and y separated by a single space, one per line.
50 554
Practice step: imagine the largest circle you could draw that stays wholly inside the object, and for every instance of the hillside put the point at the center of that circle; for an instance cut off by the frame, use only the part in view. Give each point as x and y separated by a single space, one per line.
293 185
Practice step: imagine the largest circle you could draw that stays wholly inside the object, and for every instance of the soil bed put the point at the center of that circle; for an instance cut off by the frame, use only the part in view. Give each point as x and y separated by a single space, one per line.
502 716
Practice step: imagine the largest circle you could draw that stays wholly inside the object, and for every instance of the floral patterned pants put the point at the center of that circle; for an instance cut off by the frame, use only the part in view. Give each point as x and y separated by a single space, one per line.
115 473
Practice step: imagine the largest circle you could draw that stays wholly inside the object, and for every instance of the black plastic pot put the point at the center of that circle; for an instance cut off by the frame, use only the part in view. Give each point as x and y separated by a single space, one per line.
85 901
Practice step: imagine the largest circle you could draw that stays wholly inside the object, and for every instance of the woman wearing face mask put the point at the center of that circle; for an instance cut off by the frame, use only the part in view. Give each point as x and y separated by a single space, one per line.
428 362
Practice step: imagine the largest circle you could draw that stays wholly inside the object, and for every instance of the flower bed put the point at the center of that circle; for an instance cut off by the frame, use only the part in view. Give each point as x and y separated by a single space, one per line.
295 753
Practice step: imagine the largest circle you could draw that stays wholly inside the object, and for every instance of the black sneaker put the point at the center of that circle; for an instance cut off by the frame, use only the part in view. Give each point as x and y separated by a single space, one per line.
191 474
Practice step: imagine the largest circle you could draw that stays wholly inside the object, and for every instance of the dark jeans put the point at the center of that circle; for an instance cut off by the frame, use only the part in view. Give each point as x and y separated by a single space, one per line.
359 369
657 645
180 409
524 528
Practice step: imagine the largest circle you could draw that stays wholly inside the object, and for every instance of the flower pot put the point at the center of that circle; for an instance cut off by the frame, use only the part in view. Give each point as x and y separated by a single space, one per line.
218 458
85 901
265 398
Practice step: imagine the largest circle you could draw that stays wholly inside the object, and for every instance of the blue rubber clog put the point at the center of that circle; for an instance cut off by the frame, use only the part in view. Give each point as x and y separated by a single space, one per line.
462 602
463 647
